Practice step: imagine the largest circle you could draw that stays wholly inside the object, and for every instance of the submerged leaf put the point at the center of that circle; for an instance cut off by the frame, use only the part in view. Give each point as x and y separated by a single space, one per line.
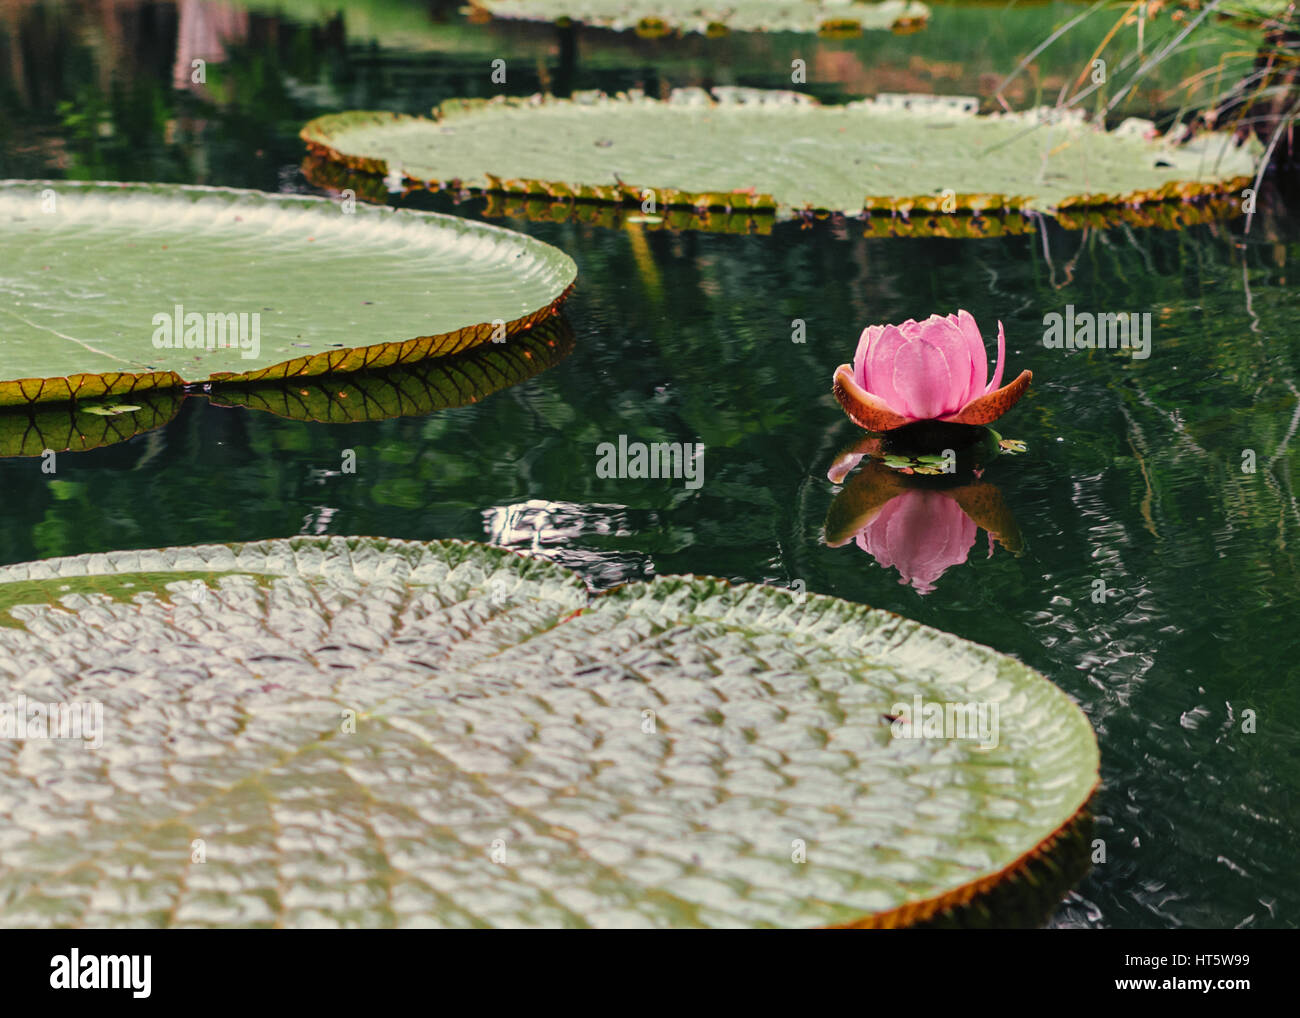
372 732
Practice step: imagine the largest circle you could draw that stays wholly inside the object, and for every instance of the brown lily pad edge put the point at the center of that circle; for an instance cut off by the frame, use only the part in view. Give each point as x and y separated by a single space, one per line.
109 409
1172 206
651 27
1022 895
24 392
329 175
437 383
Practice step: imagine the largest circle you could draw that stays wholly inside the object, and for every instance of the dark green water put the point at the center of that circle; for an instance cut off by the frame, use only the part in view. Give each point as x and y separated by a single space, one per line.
1133 471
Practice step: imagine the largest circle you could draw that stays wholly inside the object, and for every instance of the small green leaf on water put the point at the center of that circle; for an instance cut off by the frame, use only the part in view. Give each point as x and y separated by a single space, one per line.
111 410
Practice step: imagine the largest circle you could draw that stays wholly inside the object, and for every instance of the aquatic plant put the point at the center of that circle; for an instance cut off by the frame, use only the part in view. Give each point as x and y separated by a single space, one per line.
923 371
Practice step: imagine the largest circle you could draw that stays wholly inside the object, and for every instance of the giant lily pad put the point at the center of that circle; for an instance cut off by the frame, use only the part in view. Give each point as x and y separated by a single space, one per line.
746 149
655 17
93 275
374 732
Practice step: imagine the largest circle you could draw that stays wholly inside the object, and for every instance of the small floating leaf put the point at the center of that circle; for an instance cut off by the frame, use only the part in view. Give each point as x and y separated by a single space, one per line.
111 410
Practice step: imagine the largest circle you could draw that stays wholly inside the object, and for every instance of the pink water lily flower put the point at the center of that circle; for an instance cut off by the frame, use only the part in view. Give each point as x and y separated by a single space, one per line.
921 371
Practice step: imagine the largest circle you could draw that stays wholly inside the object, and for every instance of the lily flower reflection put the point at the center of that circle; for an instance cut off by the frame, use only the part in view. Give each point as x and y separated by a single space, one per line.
920 525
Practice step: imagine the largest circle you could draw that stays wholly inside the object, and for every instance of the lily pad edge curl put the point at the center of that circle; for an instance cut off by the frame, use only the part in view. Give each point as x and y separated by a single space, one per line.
1223 166
642 620
655 18
408 390
343 360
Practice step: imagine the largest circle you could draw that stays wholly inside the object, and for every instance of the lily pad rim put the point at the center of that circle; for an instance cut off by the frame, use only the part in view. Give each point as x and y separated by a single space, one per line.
913 13
989 224
227 396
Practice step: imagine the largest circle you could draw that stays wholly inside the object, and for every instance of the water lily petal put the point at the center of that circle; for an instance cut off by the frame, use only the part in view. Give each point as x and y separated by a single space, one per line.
993 405
921 534
984 504
851 455
1002 356
957 347
979 358
870 335
936 369
877 375
911 329
843 466
931 373
865 409
861 501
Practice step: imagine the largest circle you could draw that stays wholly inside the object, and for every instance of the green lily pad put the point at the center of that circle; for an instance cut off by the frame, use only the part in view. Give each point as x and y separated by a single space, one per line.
655 17
744 149
93 275
30 431
372 732
439 383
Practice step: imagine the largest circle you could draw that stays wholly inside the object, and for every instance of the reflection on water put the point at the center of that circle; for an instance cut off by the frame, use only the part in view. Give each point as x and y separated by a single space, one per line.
579 537
1133 473
201 38
919 525
439 383
41 429
408 390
